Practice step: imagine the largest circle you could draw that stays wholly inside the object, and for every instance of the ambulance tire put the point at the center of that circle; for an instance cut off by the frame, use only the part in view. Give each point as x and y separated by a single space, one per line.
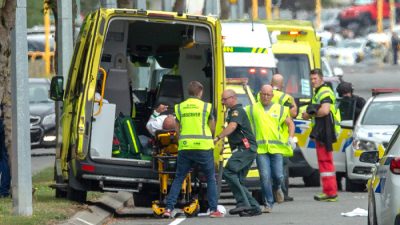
352 186
313 180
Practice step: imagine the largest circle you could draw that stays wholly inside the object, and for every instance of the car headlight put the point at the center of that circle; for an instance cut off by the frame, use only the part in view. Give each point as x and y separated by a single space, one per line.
49 120
364 145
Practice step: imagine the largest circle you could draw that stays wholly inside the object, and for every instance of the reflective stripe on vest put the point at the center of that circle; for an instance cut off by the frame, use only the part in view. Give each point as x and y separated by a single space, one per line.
194 135
327 174
203 125
333 107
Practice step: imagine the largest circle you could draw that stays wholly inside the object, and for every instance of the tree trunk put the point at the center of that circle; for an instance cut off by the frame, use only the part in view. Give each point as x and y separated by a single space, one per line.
7 18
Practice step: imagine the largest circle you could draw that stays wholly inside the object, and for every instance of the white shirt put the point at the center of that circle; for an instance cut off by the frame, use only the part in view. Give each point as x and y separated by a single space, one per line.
155 122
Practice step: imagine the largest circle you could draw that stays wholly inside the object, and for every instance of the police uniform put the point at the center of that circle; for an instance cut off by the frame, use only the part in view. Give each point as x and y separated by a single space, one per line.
243 155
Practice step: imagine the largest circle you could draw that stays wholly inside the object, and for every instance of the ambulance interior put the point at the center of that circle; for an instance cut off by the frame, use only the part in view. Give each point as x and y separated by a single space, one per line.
147 63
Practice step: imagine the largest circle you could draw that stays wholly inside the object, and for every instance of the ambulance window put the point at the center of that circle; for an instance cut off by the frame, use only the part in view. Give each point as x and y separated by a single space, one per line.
257 76
243 99
295 68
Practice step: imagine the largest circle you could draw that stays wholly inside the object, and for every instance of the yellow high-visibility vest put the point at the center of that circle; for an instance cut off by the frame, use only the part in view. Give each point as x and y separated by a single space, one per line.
267 127
195 134
322 93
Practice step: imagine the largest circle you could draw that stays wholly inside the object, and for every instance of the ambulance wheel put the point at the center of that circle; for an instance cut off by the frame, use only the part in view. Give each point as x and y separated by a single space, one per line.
312 180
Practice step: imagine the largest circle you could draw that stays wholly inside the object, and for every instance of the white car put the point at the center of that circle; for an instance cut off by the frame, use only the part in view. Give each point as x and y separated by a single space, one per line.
373 129
349 52
384 186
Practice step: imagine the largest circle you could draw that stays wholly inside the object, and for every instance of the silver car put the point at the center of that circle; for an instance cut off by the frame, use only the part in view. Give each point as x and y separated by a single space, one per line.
373 130
384 186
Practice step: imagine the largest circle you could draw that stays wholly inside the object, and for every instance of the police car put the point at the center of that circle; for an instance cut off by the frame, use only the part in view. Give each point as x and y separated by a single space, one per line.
384 186
372 131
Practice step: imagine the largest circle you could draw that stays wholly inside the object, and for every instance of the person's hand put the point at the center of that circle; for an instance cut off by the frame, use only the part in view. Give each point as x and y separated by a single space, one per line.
305 116
293 142
216 139
162 108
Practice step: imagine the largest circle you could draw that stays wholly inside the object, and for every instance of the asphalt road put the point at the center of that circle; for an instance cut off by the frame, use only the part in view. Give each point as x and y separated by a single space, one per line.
304 210
364 77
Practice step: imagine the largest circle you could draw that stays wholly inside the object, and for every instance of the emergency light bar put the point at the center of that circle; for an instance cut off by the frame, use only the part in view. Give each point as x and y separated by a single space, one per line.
377 91
242 80
293 32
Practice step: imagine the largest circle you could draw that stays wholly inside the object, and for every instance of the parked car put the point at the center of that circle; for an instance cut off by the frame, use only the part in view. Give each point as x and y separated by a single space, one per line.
365 12
350 52
384 186
42 113
370 131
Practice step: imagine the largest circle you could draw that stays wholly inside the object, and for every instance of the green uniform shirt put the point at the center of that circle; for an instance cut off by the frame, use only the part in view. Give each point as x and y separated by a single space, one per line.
243 129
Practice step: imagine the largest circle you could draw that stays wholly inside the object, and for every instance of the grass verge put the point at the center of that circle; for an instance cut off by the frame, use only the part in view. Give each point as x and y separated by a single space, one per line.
46 208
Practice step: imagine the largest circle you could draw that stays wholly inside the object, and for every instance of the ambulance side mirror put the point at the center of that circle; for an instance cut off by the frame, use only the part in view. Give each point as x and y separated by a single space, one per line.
274 36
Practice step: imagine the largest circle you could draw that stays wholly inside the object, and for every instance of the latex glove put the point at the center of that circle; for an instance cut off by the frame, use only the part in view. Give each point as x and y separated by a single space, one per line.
293 142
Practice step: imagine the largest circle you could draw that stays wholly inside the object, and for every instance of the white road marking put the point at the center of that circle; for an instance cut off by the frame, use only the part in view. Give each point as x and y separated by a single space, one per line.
177 221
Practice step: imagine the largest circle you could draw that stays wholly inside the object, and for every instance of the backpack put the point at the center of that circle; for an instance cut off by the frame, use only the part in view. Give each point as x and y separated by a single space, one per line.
126 143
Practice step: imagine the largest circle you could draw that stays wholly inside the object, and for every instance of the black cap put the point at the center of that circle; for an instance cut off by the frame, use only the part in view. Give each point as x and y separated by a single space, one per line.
344 87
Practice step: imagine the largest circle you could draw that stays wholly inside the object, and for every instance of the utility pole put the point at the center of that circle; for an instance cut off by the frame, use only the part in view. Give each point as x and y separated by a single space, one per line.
318 8
254 9
392 14
234 9
268 9
46 57
379 16
21 145
241 8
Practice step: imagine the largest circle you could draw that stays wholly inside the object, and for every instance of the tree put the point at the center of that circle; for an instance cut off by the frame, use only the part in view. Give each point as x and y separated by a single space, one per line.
7 16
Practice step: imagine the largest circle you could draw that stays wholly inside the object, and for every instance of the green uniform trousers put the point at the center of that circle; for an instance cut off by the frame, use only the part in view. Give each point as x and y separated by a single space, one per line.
234 174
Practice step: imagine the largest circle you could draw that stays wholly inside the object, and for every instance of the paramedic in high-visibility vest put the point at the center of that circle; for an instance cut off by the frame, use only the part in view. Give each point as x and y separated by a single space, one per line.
194 125
325 119
267 120
284 99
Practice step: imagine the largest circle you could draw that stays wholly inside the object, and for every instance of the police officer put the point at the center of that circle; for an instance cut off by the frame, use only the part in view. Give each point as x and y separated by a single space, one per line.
244 150
194 126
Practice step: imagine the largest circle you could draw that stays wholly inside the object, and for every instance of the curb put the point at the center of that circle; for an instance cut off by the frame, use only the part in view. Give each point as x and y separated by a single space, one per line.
96 215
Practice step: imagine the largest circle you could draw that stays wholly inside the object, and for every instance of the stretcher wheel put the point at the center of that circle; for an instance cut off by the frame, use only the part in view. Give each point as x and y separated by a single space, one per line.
158 211
192 209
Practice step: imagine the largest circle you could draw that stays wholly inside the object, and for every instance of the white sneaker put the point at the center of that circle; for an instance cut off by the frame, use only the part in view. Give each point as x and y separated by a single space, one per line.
266 209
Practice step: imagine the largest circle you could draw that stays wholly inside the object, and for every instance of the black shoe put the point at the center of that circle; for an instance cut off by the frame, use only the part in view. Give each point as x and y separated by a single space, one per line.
238 210
288 199
250 213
